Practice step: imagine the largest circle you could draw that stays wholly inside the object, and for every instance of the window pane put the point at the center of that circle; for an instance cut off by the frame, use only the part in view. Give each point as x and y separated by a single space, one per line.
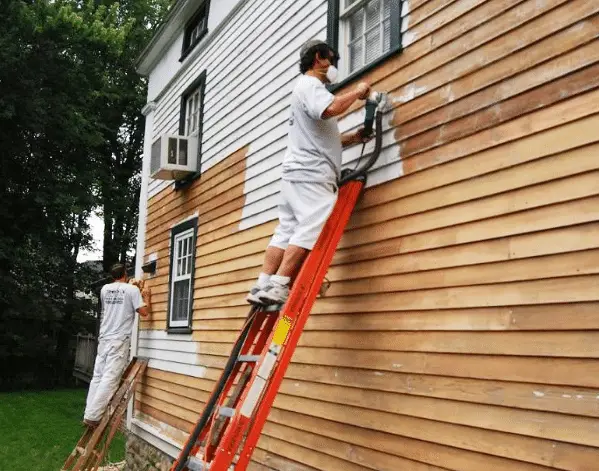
172 150
183 152
355 55
386 35
189 264
373 44
373 14
349 3
356 25
386 8
180 300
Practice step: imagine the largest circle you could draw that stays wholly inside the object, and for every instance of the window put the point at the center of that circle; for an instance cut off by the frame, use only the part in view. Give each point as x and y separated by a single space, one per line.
192 113
190 121
195 30
182 266
364 32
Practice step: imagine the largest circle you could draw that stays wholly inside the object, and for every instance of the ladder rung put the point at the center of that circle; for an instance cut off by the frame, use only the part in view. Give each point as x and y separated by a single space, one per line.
196 464
80 450
248 358
226 412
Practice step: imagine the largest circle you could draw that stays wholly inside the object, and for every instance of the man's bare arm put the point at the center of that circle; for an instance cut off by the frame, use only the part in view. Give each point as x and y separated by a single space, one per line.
342 102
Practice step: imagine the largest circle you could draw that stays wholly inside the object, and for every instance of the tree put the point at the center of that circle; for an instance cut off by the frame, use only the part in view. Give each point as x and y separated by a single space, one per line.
69 103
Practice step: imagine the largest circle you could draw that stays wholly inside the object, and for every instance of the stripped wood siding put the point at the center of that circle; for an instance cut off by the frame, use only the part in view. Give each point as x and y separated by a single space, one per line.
461 329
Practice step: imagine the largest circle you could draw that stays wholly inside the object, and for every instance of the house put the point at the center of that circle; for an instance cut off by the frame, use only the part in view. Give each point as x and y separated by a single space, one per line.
461 328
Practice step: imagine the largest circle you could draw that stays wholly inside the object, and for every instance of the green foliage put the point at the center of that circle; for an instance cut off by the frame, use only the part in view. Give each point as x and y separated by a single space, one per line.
70 143
40 429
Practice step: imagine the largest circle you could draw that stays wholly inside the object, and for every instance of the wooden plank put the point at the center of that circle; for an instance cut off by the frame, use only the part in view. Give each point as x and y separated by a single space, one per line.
417 450
547 344
333 454
557 290
563 399
578 316
528 449
560 240
458 94
571 316
552 426
153 412
352 284
514 178
546 76
526 149
555 115
539 98
276 462
550 193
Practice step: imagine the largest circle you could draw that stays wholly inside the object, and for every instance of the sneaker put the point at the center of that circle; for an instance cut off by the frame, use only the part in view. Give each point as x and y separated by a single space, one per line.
252 297
273 293
91 423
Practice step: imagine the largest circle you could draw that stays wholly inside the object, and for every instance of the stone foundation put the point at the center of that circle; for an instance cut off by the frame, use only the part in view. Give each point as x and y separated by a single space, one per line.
141 456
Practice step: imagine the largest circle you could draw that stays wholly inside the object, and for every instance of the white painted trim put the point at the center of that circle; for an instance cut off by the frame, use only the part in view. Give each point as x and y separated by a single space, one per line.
187 218
149 108
141 232
155 438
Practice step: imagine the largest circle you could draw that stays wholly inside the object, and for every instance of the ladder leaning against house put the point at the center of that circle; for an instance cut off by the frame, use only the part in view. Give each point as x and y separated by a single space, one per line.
228 430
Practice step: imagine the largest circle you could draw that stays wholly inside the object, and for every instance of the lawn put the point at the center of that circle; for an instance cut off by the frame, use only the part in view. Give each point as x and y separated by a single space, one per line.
39 429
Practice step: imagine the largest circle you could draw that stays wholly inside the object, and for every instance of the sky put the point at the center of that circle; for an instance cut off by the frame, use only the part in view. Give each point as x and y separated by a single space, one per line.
97 229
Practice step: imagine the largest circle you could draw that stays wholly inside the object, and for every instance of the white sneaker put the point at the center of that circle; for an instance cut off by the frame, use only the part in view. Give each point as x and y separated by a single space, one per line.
252 297
273 293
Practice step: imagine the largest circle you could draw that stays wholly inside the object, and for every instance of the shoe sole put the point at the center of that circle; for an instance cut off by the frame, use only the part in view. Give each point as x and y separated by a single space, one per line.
253 299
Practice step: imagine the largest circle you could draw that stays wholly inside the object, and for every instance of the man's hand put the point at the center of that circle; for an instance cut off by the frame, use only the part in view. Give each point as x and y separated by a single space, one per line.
146 296
363 90
356 137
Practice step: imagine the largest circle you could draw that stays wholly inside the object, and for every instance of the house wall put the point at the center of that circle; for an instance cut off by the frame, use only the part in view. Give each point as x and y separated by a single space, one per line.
460 331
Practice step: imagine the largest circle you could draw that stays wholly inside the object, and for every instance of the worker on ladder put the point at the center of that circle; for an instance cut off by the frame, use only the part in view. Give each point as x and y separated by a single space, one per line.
311 170
120 301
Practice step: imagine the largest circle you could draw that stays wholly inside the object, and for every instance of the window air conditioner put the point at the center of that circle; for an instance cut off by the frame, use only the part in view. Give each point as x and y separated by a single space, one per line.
173 157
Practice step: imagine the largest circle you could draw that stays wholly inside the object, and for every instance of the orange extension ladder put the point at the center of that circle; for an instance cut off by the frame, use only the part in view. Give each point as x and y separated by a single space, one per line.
226 434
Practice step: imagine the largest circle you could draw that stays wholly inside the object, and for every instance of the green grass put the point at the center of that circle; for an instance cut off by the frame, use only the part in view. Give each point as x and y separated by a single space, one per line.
38 430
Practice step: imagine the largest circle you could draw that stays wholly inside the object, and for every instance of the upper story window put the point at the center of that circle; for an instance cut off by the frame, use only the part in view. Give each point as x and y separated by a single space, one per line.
195 29
192 112
364 32
191 119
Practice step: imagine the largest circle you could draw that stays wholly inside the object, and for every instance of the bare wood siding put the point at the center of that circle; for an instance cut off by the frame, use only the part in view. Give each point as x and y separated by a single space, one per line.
461 329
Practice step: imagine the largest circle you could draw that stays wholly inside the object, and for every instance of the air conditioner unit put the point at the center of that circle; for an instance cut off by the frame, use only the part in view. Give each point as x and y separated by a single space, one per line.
173 157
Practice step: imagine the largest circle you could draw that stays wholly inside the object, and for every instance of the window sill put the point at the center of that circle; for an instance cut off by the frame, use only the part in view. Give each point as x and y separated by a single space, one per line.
364 70
179 330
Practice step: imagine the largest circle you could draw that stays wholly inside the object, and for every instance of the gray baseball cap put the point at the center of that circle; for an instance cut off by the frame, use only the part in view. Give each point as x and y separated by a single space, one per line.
307 45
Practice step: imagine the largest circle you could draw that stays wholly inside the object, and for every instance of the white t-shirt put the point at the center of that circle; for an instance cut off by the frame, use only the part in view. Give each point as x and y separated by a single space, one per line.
120 301
314 144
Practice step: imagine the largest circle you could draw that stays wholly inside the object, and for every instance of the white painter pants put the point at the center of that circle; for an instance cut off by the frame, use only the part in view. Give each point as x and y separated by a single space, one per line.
111 360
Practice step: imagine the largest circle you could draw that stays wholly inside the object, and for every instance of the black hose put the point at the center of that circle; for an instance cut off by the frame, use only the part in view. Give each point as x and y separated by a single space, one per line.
378 145
217 392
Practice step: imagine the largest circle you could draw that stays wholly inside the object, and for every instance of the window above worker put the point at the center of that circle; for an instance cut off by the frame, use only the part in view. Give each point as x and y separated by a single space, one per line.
364 32
195 29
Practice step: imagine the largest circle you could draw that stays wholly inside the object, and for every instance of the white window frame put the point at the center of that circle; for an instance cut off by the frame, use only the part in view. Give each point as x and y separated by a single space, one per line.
192 112
344 29
189 235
